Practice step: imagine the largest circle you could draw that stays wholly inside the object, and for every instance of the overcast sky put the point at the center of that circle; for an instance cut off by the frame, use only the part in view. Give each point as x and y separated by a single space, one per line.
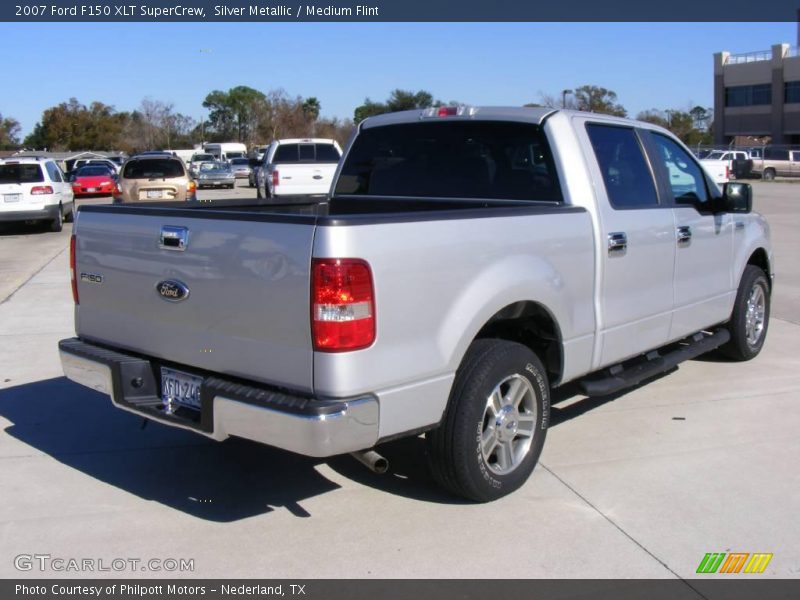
649 65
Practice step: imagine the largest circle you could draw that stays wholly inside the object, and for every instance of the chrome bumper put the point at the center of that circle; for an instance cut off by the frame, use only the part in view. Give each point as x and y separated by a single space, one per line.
309 426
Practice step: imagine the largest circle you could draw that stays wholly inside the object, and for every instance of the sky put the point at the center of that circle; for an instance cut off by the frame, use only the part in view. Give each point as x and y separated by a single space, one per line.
648 65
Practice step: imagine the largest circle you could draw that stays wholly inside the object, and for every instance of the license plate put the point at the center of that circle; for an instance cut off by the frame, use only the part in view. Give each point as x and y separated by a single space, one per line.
154 193
180 389
12 197
91 189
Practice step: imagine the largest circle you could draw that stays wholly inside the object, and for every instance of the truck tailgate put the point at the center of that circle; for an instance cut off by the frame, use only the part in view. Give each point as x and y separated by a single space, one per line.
304 178
247 309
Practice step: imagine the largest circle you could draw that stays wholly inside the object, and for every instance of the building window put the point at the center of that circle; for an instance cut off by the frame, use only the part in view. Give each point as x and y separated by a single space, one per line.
792 92
748 95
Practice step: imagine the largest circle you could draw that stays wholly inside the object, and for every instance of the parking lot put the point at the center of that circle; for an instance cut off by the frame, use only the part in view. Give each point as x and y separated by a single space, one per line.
639 485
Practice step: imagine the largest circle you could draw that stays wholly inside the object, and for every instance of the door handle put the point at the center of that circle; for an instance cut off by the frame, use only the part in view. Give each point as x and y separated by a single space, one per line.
684 235
617 242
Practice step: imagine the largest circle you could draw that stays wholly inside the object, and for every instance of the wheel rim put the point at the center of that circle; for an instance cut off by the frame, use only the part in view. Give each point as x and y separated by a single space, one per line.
754 316
508 425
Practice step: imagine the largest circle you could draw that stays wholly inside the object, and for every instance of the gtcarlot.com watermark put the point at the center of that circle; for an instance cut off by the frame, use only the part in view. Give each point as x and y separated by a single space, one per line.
60 564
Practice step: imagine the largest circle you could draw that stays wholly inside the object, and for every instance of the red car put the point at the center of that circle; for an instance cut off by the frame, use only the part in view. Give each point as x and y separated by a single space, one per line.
93 179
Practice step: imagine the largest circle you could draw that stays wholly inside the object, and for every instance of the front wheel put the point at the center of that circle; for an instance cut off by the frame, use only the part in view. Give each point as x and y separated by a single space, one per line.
750 318
769 174
495 424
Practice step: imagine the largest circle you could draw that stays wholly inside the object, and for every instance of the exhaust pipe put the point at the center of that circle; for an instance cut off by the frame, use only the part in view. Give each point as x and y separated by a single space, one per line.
372 460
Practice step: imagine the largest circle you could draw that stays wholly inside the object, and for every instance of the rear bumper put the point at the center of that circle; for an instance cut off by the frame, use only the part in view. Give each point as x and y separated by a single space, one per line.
309 426
49 213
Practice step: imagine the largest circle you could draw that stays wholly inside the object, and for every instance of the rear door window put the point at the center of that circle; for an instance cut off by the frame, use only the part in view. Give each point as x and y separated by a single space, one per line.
626 174
287 153
21 173
153 168
451 159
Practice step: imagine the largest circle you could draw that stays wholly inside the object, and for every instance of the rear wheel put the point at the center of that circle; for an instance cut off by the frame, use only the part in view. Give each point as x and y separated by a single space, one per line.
769 174
495 424
57 224
750 318
70 216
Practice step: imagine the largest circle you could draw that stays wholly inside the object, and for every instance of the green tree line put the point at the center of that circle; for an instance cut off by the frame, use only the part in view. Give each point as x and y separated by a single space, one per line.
251 116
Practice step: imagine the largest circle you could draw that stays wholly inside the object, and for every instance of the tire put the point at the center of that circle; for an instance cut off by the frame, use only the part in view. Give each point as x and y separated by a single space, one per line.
769 174
500 392
57 224
259 195
750 317
70 216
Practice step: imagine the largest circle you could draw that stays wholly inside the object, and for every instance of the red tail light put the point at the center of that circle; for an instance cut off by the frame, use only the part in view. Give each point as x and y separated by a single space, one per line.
447 111
72 274
41 189
727 172
342 304
275 178
117 193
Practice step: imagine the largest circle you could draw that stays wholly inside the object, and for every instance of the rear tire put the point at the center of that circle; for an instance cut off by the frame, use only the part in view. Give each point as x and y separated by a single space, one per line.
750 318
70 216
57 224
495 424
769 174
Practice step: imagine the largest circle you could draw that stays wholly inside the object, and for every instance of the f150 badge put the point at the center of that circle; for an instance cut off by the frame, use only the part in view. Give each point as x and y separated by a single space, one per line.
172 290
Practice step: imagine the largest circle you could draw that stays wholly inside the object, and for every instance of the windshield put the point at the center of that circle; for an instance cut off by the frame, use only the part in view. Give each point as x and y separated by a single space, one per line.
96 171
240 161
21 173
202 157
716 155
214 167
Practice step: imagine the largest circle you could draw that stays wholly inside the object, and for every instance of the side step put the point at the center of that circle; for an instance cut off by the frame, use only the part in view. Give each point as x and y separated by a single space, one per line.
653 363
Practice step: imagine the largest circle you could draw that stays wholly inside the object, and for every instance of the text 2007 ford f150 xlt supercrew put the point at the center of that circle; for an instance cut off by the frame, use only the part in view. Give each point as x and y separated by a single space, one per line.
467 261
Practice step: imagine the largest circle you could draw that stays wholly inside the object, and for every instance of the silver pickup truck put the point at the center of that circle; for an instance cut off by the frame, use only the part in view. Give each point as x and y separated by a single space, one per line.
467 261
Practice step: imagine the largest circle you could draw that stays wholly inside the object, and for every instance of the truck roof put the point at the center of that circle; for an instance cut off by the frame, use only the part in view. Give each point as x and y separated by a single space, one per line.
525 114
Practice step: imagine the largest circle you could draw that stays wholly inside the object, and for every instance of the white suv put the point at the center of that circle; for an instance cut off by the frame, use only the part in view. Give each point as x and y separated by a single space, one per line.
35 189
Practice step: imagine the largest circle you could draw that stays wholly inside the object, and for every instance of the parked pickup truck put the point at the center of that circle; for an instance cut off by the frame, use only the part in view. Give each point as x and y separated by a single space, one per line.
297 167
467 261
722 165
778 162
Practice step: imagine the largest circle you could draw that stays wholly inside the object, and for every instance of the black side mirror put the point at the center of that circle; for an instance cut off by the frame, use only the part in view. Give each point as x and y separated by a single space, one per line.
736 197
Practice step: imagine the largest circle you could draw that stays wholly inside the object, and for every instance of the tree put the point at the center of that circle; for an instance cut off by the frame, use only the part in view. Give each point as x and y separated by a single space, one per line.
598 99
398 100
311 108
654 116
235 113
9 133
73 126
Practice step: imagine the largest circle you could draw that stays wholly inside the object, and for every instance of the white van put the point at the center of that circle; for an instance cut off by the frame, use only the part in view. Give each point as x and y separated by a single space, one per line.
226 150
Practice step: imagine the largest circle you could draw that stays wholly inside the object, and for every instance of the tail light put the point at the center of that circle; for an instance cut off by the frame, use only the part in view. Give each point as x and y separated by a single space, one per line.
41 189
73 277
117 193
727 172
275 178
191 187
342 304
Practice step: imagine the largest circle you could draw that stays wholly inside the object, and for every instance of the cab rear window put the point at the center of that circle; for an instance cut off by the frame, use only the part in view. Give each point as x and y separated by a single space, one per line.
484 159
21 173
293 153
153 169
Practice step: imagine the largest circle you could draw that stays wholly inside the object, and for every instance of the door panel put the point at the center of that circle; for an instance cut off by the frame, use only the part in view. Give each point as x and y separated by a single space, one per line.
636 282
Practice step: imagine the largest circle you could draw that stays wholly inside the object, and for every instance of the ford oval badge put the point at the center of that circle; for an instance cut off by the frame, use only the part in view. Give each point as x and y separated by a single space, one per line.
172 290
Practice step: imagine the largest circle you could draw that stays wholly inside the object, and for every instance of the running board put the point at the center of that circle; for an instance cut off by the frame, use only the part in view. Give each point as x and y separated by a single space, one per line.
653 363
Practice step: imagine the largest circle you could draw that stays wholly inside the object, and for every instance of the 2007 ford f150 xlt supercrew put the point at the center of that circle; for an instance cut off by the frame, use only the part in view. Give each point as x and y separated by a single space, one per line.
467 261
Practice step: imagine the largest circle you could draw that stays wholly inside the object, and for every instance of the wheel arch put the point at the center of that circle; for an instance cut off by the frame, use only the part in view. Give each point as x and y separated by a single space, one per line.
533 325
760 259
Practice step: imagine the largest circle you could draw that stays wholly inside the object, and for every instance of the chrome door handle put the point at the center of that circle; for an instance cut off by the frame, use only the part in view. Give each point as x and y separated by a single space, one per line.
684 235
617 242
173 238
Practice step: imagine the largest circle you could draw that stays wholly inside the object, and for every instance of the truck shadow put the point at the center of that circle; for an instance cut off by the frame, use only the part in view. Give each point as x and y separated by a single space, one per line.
223 482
